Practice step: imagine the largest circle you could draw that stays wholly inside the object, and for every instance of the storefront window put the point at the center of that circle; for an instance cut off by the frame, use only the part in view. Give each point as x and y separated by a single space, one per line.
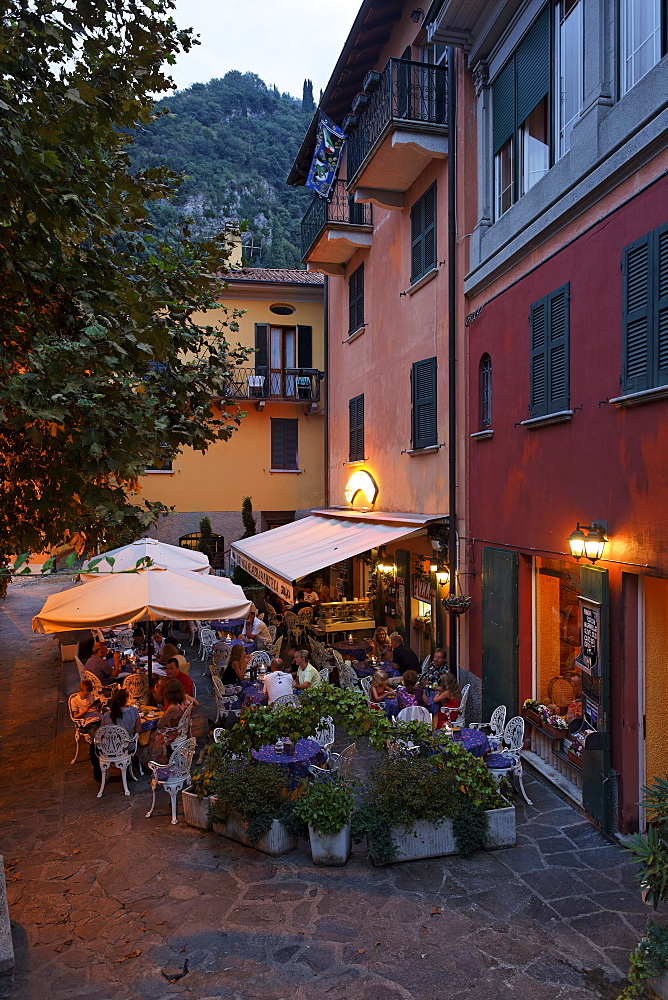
558 677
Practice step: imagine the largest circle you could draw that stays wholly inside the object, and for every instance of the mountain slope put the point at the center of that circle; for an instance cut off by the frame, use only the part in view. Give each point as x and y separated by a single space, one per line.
235 139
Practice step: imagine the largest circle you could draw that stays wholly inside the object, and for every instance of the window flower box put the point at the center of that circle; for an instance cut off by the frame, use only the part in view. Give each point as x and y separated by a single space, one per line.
533 717
575 760
427 840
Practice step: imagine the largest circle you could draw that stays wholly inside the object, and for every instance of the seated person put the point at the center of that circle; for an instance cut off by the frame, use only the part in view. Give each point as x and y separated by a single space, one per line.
120 713
380 690
278 682
448 698
380 643
301 603
276 603
169 649
255 630
235 671
158 643
307 675
103 664
311 595
403 656
409 692
172 672
85 707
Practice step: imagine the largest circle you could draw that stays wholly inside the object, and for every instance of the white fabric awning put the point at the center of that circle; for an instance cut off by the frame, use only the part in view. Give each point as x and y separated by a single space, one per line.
279 557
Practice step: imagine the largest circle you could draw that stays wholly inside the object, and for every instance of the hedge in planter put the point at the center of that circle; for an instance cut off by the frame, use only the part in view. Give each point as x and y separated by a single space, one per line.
258 793
440 782
327 808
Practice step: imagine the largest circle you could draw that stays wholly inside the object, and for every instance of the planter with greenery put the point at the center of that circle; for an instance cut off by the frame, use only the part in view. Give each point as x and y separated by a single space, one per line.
650 849
327 808
530 712
196 799
440 800
648 967
254 804
456 604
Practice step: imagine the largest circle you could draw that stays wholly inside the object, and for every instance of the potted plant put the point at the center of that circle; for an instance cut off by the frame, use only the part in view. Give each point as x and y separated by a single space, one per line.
553 725
456 604
197 798
650 849
253 805
648 967
438 800
530 711
575 754
327 808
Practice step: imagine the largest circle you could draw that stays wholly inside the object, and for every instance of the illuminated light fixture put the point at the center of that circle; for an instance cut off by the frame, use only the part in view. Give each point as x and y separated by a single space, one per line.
364 483
417 14
443 576
591 544
387 568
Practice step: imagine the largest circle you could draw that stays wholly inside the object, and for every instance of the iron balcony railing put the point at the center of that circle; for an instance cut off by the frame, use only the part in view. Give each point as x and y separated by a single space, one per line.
281 385
341 208
407 92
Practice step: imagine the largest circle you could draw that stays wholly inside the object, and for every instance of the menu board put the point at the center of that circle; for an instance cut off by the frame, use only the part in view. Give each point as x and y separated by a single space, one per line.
590 637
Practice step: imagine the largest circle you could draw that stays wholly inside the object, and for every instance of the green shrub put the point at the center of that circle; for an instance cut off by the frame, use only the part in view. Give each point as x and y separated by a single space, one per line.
327 806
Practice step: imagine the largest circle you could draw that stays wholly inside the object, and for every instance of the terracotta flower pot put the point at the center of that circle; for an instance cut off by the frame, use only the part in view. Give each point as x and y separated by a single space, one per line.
575 760
553 732
532 717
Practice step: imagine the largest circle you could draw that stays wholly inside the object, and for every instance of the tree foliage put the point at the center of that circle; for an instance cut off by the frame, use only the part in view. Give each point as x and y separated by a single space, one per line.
103 369
235 140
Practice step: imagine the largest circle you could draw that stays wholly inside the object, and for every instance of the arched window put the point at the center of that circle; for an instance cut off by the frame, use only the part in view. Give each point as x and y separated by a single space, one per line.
485 380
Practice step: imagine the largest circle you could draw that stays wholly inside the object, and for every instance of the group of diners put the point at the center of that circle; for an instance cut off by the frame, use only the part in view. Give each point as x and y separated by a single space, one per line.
285 676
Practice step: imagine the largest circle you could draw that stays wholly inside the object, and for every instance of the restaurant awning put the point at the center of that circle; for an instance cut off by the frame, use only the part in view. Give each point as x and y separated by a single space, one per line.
279 557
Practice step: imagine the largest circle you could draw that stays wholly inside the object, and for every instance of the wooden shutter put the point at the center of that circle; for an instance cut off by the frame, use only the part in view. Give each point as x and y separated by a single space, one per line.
284 444
423 234
356 429
304 347
261 347
538 335
424 403
662 306
356 299
532 68
558 309
636 315
503 106
500 663
417 223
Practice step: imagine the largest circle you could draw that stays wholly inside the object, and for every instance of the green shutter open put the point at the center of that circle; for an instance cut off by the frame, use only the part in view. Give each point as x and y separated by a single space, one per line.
503 106
558 310
636 318
533 67
538 337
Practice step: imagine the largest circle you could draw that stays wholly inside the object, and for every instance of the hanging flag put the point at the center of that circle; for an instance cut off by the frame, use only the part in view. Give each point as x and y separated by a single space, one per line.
326 157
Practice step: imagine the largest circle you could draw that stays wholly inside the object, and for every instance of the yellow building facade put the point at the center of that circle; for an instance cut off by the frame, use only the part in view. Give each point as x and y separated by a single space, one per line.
276 456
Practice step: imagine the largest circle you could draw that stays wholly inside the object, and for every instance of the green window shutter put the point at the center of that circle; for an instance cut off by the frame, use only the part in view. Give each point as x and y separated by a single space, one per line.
261 346
356 429
558 309
532 65
636 315
423 234
304 347
503 106
425 431
538 337
662 306
356 299
417 225
284 444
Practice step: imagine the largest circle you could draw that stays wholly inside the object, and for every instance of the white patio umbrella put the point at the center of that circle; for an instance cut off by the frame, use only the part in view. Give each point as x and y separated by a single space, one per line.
162 554
143 595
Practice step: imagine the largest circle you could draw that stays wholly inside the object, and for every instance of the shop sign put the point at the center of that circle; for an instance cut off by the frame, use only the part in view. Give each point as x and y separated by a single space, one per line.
364 483
266 577
422 590
590 637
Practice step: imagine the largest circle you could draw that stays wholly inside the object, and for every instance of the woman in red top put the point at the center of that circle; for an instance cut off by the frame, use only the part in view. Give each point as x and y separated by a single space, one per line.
448 698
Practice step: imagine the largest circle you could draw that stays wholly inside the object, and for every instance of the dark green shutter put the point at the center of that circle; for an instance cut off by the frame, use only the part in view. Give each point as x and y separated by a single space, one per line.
284 444
499 631
261 346
304 347
423 234
532 67
417 222
662 306
558 308
356 299
503 106
538 334
291 457
636 315
356 429
425 431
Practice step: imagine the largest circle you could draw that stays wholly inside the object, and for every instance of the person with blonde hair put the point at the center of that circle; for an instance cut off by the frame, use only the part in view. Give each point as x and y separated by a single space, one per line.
448 698
382 695
380 642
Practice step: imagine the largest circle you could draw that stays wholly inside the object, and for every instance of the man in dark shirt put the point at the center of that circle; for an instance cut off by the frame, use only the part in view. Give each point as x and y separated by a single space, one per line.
403 656
301 603
100 665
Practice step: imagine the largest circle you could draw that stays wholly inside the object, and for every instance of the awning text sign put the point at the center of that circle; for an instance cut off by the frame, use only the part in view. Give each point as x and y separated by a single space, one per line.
266 577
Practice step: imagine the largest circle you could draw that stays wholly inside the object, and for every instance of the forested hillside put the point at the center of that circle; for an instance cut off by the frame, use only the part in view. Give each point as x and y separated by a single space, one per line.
235 139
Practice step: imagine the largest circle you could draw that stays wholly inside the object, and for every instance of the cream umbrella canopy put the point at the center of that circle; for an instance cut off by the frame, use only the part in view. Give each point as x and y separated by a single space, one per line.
161 554
141 595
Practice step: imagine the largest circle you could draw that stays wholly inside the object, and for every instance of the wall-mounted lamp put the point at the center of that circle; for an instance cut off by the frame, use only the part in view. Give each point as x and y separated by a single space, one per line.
442 573
417 14
387 569
590 544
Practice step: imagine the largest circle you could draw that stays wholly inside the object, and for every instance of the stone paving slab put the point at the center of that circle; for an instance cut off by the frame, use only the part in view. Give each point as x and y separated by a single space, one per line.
107 903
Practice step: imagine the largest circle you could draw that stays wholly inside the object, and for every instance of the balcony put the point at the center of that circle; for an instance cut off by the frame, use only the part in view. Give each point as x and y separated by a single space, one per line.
402 129
333 230
274 385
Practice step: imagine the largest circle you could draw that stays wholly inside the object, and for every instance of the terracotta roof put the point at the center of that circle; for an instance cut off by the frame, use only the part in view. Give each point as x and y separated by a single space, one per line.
284 275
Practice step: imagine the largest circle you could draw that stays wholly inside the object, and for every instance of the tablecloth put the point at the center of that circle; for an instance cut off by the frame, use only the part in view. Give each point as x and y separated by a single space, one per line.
306 752
234 625
249 647
352 650
253 696
474 741
366 669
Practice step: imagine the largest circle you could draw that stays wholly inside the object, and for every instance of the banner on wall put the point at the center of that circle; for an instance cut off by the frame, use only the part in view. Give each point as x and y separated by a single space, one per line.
326 157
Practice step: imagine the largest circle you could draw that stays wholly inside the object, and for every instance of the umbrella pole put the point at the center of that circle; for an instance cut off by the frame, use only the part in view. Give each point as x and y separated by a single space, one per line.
149 649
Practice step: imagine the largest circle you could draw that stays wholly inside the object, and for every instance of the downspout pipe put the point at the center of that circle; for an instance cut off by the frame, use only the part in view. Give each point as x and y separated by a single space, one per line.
451 106
325 327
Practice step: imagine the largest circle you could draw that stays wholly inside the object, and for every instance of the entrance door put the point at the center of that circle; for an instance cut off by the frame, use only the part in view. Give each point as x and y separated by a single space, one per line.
499 631
282 361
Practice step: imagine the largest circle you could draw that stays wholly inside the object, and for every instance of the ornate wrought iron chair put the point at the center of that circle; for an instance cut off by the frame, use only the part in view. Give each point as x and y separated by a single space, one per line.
507 762
173 776
115 748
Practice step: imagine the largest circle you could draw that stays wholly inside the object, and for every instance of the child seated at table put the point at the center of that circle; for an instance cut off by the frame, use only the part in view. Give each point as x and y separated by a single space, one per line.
379 689
409 692
448 698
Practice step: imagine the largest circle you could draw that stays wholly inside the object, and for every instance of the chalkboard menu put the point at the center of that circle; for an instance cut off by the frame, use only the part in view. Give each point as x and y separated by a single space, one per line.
590 637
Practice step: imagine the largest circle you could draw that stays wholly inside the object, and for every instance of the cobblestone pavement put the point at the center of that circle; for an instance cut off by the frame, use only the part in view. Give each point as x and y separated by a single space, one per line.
107 903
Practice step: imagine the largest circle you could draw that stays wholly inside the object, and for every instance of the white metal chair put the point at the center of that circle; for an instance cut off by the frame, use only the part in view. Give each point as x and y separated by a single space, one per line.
337 763
115 748
79 726
495 725
507 762
173 734
291 626
136 686
324 675
224 696
80 668
173 776
207 638
347 676
365 684
324 734
425 663
259 659
272 632
284 701
218 734
414 713
221 653
97 685
461 718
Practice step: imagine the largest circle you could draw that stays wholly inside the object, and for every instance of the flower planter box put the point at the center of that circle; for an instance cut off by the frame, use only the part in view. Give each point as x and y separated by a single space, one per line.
657 988
554 733
196 811
575 760
276 841
532 717
430 841
332 849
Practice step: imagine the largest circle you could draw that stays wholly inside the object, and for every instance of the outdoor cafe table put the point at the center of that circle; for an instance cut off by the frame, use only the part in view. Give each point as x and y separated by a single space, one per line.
352 650
249 647
306 752
368 669
253 695
472 740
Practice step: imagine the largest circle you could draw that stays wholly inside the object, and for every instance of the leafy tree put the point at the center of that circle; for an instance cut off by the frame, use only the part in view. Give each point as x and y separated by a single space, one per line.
206 537
240 576
308 104
103 369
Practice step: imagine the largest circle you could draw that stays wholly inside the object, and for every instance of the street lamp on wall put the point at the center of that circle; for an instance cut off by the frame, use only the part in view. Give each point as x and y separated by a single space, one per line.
442 574
588 540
